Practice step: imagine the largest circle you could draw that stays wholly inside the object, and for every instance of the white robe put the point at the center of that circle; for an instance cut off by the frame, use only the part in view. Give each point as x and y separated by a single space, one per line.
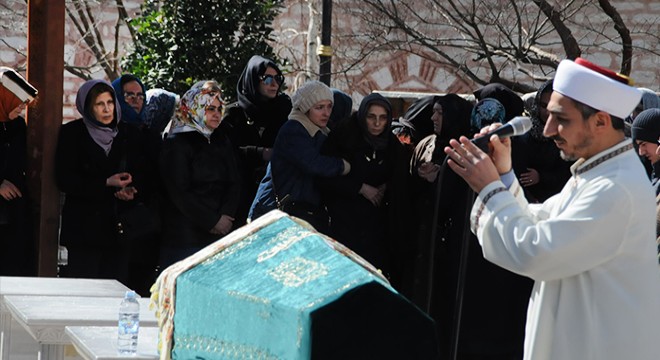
591 250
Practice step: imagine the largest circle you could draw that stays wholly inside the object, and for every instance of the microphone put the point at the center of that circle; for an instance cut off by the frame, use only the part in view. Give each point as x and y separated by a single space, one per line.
516 126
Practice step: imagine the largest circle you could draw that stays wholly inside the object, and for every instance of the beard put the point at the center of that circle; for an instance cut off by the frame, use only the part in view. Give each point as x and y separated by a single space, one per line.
574 154
567 157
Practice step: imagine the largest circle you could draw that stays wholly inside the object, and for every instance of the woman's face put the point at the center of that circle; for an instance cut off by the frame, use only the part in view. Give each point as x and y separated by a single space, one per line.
103 108
133 95
269 83
437 118
213 114
319 114
376 119
543 106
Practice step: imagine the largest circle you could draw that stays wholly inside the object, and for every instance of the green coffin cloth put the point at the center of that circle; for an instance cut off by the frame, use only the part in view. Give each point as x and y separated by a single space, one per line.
288 292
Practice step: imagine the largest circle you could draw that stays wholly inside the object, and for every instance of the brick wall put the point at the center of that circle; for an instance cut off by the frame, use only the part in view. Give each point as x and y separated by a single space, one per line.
398 71
391 71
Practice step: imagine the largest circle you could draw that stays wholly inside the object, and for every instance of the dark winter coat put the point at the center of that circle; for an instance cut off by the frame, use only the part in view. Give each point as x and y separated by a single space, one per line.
534 151
292 172
17 256
202 184
252 124
368 230
89 215
494 300
542 155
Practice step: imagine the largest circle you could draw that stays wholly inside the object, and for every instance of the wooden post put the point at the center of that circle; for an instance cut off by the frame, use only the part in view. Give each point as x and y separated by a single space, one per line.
45 70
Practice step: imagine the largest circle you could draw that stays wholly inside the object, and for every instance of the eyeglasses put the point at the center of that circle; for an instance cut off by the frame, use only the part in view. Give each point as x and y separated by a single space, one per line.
133 96
268 79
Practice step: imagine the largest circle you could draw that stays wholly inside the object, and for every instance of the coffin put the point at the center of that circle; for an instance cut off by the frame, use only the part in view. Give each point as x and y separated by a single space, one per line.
276 289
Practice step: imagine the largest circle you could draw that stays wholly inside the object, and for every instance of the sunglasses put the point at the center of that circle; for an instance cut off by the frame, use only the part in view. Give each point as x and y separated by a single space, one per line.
268 79
132 96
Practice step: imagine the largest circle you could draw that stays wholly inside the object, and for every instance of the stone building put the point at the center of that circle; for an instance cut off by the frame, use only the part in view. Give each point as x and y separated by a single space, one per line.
389 70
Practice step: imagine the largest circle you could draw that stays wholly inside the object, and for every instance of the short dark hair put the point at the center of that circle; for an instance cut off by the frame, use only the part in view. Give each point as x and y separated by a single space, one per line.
587 111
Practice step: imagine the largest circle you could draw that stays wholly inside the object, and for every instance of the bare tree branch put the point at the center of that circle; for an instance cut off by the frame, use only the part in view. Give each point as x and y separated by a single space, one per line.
123 16
570 44
82 73
622 29
18 51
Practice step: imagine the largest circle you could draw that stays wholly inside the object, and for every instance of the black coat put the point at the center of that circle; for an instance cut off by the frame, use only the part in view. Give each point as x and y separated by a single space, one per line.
17 256
542 155
372 232
89 215
494 300
249 138
202 184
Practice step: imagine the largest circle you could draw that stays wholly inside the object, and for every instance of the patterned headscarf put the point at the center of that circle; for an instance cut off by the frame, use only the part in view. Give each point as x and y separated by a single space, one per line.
486 112
191 113
512 103
159 108
537 123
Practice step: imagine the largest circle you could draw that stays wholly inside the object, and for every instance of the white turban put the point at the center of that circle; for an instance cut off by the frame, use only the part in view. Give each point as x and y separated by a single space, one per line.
600 88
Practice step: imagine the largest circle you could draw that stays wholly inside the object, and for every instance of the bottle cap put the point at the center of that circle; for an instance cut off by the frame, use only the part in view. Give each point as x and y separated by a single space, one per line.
130 294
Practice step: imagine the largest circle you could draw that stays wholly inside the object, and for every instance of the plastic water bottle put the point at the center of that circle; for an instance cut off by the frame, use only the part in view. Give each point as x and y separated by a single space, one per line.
129 324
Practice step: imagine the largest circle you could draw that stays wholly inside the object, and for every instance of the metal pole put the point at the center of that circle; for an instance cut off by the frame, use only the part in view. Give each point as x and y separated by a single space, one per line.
325 49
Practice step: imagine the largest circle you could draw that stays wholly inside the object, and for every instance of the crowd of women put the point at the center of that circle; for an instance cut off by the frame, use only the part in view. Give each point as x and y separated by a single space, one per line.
150 177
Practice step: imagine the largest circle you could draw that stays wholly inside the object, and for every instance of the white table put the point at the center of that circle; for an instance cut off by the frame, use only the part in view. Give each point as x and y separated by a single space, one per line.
10 285
100 342
46 317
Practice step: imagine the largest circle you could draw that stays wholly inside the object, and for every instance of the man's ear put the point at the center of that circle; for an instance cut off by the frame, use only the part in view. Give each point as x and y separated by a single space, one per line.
602 120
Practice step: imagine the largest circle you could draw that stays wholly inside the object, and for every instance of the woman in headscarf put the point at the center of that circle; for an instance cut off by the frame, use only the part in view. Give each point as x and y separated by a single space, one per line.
450 119
485 112
488 330
131 97
101 168
159 110
200 175
417 121
289 183
513 104
536 161
342 107
650 100
253 122
362 203
16 256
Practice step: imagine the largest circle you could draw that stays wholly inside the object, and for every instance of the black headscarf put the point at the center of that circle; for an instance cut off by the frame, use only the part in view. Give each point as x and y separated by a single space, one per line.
418 117
258 107
342 107
377 142
456 116
537 123
513 104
